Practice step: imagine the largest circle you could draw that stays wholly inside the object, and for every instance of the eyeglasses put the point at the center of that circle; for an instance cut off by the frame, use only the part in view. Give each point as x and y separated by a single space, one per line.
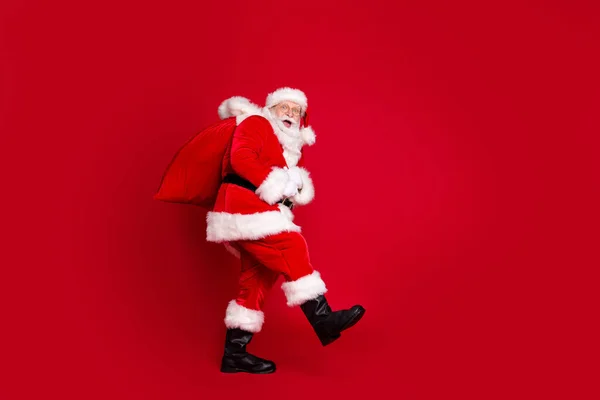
296 111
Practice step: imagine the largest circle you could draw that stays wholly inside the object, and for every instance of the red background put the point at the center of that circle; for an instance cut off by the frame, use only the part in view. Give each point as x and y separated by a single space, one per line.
456 197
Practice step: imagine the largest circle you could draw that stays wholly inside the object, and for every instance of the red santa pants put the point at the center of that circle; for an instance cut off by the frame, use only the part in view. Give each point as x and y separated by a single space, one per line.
263 261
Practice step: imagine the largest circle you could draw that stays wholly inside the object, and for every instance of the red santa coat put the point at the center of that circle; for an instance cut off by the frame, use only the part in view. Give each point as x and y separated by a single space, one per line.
259 152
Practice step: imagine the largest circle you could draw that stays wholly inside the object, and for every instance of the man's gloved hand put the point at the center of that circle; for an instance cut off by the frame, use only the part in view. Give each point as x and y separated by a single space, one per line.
294 175
291 189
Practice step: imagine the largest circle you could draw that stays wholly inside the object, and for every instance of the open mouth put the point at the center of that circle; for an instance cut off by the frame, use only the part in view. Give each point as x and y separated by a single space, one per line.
287 123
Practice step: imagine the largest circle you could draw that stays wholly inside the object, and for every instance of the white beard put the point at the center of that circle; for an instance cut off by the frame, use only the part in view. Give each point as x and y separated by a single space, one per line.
290 138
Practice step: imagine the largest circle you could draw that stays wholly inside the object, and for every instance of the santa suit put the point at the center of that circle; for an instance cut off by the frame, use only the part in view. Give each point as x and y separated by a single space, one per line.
252 221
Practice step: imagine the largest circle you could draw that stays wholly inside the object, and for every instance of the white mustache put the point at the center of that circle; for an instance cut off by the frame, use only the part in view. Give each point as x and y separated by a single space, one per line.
288 119
279 120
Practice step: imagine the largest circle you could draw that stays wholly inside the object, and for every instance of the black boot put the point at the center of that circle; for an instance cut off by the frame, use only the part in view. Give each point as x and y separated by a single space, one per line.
237 359
328 324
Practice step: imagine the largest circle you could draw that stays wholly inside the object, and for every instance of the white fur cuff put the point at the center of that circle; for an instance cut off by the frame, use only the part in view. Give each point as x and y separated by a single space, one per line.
308 287
243 318
272 188
307 194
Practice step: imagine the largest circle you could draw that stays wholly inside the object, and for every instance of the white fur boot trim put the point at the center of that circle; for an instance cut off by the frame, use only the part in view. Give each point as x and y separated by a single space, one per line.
238 316
308 287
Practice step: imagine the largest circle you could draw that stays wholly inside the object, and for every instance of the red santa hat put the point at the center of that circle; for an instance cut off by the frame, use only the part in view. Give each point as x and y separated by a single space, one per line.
287 94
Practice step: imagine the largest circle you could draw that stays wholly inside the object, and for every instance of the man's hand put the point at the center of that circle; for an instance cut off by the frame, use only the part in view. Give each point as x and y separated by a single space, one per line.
295 177
291 189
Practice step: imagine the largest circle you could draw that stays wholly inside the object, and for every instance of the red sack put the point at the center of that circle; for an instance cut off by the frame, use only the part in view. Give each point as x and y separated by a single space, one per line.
194 174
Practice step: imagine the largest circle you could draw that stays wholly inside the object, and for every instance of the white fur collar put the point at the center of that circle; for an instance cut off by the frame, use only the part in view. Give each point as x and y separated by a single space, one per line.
242 108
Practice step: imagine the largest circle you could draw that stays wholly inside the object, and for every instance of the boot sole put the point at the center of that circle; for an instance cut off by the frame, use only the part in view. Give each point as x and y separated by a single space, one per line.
238 370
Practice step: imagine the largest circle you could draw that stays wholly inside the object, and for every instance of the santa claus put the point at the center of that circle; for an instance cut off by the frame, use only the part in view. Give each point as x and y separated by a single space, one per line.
264 177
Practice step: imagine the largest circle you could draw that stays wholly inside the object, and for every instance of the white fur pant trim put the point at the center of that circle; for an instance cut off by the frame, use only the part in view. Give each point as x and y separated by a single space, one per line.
308 287
244 318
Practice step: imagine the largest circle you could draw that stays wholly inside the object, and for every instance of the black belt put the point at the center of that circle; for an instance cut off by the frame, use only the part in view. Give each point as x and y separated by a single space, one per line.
239 181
